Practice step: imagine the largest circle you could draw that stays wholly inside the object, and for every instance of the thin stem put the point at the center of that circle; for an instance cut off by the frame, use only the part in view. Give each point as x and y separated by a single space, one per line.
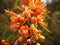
10 36
16 3
3 34
14 39
46 29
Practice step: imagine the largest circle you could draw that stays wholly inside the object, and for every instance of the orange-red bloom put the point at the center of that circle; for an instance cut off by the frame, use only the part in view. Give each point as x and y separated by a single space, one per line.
25 2
32 12
14 19
32 5
14 26
34 29
34 19
24 32
20 39
38 11
4 43
27 14
21 19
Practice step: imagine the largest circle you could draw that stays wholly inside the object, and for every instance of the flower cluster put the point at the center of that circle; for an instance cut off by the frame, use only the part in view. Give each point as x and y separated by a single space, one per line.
27 23
4 43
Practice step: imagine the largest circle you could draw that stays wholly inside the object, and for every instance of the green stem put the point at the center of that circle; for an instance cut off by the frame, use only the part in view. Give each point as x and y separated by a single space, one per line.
46 29
10 36
16 3
3 34
14 39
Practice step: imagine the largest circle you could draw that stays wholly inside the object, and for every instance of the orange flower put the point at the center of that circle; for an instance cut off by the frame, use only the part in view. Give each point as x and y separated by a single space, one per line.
22 28
39 4
31 26
14 26
31 12
26 35
4 43
34 19
41 37
21 19
32 5
38 44
35 38
38 11
27 14
20 39
25 44
38 7
14 19
33 29
25 2
24 32
39 18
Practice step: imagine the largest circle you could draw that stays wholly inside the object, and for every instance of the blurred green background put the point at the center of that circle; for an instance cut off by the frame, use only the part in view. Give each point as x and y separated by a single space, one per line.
53 18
